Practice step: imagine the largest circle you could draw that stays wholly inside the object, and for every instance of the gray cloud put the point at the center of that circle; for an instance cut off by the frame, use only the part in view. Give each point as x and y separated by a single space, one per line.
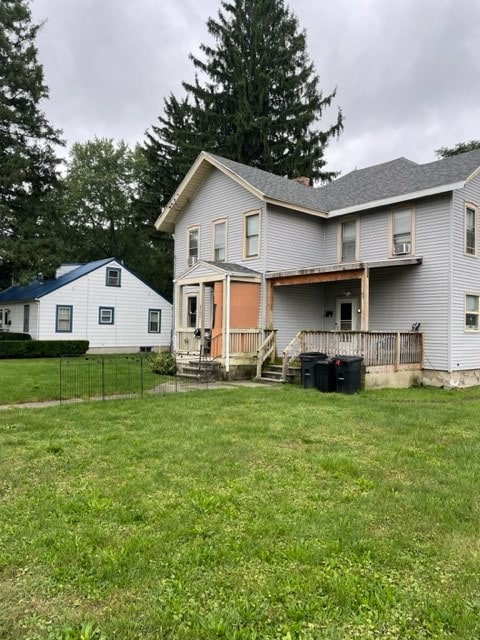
406 72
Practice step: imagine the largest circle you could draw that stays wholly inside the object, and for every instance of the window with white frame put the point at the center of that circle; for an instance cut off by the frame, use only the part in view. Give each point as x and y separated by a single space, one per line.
470 230
402 222
472 310
219 240
252 235
106 315
154 320
64 317
193 245
348 240
192 311
113 277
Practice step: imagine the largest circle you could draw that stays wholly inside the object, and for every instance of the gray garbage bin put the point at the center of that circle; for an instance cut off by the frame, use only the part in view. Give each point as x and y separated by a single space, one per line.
309 361
348 373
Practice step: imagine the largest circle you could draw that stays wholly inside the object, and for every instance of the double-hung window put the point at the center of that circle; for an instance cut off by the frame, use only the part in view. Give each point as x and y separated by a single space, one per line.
193 241
252 235
402 231
106 315
219 240
192 311
472 311
114 277
154 320
470 230
64 318
348 241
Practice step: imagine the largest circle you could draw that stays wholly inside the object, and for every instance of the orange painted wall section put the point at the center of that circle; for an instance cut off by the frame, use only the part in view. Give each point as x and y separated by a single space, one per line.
244 305
217 320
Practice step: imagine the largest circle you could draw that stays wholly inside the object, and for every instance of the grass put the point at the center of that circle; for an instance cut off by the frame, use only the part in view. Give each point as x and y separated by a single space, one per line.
242 514
38 380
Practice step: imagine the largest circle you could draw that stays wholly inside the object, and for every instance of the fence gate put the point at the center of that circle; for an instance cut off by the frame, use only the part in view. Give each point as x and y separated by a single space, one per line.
101 377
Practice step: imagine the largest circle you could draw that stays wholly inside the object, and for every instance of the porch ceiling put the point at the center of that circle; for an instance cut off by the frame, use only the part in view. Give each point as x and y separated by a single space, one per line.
339 271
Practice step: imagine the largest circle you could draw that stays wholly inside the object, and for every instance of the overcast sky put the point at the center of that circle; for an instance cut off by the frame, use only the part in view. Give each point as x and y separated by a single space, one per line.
407 72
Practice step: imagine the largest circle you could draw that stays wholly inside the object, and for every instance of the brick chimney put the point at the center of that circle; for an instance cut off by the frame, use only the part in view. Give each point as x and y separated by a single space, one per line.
305 180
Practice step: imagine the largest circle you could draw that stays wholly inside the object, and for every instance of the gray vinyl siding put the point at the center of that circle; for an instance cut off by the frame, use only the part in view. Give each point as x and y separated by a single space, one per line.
465 279
401 296
296 308
218 197
293 239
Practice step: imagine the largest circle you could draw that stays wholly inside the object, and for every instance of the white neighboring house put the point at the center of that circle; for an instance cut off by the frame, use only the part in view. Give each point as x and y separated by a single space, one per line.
103 302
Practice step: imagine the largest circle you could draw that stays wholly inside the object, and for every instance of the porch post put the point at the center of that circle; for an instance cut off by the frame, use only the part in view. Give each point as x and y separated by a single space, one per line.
227 323
178 305
201 308
365 300
269 305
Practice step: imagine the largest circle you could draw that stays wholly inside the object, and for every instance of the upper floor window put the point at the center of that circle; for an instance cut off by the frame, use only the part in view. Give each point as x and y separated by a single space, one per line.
219 240
154 320
114 277
348 240
472 310
252 235
193 245
402 222
106 315
470 230
64 316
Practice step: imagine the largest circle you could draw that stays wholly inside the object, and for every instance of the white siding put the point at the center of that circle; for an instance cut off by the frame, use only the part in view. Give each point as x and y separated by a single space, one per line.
131 303
465 279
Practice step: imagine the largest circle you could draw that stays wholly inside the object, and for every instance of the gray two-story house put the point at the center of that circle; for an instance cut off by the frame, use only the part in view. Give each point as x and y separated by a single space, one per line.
383 262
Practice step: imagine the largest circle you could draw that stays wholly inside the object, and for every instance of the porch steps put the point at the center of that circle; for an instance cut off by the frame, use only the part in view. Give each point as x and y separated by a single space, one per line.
273 373
206 371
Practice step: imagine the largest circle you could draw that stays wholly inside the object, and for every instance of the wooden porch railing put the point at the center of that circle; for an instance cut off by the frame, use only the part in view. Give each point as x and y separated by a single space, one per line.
242 341
376 347
265 351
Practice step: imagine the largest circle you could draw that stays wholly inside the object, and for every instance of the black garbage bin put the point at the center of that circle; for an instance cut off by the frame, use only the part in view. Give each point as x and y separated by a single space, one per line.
348 373
325 376
309 361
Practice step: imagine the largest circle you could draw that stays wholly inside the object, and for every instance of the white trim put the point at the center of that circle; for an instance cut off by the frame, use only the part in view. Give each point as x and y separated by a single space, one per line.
397 199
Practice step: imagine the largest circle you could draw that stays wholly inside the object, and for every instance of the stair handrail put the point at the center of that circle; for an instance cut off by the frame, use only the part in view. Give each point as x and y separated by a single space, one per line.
293 349
265 350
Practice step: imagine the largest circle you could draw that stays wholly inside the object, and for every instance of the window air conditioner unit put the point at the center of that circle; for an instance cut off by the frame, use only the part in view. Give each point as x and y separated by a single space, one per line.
402 248
191 260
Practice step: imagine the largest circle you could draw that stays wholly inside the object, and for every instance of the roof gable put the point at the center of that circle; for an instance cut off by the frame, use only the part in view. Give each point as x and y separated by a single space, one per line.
39 289
394 181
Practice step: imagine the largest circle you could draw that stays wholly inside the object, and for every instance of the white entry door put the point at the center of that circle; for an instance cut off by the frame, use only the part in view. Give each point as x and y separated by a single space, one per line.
346 314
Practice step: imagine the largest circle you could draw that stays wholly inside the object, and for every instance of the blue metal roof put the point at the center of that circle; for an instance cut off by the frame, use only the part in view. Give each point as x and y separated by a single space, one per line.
38 288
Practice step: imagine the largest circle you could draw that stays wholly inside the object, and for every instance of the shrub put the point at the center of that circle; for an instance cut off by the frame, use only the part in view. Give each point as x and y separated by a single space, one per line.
42 348
7 335
163 363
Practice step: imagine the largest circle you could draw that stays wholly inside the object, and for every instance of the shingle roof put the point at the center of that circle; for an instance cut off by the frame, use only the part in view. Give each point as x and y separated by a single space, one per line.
38 289
231 267
275 187
388 180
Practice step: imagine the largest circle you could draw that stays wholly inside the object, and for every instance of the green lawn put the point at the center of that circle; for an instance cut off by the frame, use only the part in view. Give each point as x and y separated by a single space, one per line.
37 380
249 513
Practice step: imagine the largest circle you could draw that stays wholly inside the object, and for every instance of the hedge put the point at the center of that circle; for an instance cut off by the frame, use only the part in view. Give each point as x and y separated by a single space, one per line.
42 348
6 335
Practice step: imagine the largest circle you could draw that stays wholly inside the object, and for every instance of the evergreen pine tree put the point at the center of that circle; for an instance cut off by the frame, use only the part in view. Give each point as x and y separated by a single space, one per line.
255 99
27 158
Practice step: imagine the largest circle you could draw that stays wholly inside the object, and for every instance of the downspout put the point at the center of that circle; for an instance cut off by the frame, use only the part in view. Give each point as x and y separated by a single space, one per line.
227 324
450 289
